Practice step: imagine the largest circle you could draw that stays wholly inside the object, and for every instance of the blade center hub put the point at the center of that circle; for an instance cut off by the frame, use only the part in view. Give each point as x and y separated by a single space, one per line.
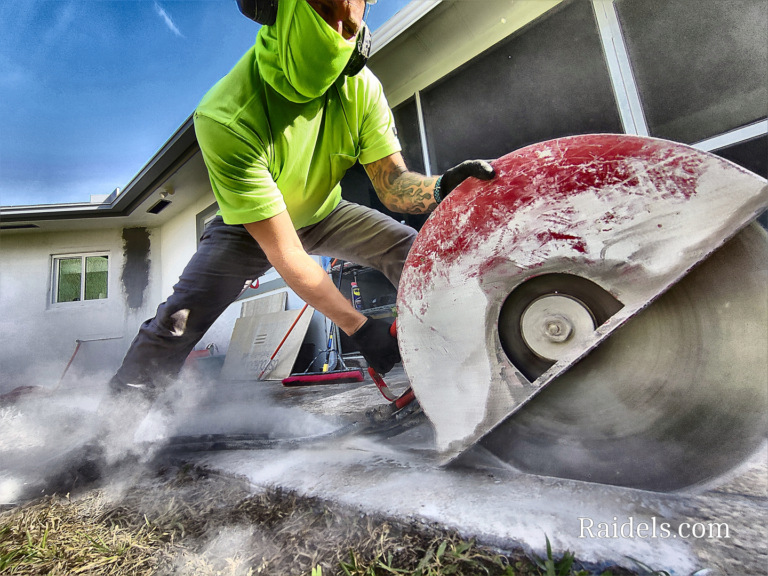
557 328
554 324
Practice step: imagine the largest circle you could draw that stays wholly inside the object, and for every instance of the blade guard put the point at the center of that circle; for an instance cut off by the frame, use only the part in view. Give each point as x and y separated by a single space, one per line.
632 214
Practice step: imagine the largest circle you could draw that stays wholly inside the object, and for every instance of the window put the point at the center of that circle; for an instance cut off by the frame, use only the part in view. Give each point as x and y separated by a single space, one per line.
545 81
204 218
752 155
80 277
700 65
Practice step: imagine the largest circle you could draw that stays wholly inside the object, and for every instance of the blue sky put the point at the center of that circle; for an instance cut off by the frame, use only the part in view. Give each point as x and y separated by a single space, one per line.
91 89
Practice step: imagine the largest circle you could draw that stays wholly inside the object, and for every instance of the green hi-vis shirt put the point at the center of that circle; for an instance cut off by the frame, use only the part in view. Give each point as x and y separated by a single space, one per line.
266 154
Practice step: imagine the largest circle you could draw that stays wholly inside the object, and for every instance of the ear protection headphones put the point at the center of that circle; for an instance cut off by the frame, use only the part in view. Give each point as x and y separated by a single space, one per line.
264 12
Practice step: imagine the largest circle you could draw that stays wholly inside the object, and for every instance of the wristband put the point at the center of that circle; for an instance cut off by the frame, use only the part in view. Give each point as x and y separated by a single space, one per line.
436 193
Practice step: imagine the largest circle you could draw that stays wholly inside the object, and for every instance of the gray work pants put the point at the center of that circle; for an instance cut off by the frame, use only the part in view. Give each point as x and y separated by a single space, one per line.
226 258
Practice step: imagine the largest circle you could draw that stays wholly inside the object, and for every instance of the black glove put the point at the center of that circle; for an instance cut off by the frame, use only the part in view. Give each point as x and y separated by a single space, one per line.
377 345
479 169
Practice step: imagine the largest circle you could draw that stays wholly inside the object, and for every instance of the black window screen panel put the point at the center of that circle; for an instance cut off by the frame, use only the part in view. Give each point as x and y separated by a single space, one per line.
546 81
700 65
752 155
407 123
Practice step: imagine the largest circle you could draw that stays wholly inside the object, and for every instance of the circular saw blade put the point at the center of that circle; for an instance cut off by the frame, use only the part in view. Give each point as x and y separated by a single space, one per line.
630 215
675 397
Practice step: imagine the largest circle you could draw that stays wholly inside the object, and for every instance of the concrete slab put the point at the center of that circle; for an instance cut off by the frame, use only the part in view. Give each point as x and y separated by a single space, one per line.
401 477
265 305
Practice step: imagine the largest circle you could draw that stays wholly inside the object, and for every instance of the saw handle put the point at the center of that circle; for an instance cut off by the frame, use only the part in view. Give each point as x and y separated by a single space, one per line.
381 385
378 379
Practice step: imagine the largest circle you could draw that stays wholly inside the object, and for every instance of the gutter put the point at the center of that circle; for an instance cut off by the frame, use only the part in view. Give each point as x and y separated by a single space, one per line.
177 150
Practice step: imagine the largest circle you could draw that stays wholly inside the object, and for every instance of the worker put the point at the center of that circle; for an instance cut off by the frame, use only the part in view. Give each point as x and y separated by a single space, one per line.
277 135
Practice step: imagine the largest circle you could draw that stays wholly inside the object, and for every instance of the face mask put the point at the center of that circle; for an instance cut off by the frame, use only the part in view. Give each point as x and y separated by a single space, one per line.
301 56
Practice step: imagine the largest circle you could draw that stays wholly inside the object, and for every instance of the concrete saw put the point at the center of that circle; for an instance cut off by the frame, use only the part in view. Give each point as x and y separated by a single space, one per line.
598 311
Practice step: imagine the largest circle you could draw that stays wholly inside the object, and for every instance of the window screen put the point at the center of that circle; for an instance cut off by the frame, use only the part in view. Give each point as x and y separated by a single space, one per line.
752 155
407 123
700 65
548 80
81 278
96 277
69 280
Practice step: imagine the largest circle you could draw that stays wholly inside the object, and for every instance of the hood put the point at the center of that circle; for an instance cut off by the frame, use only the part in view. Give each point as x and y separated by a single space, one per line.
300 56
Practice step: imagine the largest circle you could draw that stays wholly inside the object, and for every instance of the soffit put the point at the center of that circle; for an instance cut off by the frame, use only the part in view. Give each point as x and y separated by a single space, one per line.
450 35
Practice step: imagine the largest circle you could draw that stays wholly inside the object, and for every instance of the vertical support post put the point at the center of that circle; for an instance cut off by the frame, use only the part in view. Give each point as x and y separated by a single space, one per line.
619 68
423 135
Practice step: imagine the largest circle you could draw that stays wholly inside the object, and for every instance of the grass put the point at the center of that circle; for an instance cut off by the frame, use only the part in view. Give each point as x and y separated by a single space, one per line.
190 521
56 536
454 556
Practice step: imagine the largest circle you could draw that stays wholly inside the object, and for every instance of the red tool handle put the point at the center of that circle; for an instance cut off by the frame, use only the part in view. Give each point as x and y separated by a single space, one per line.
407 396
282 341
381 385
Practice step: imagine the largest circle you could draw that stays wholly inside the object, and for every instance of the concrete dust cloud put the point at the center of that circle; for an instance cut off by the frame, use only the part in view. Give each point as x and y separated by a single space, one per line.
194 405
229 553
46 435
40 428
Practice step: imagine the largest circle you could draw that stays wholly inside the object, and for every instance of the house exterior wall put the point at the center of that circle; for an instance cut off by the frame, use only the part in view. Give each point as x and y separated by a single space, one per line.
468 83
38 336
178 242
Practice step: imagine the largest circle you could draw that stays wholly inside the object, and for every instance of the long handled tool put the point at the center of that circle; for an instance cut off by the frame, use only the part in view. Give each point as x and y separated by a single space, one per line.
282 342
327 376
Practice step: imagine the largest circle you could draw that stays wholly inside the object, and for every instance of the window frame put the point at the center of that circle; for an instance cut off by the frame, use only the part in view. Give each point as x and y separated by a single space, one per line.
203 218
55 266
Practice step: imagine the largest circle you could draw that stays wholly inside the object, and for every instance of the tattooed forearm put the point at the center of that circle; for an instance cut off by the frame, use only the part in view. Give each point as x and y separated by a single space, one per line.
399 189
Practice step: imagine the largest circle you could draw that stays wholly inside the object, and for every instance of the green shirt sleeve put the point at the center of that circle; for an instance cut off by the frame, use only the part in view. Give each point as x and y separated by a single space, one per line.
378 137
239 173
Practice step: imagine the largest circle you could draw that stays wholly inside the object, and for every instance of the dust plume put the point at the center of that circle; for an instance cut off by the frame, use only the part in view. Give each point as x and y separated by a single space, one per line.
56 440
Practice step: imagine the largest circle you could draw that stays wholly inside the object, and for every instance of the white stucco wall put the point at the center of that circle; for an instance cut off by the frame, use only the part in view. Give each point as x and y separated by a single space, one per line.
37 336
